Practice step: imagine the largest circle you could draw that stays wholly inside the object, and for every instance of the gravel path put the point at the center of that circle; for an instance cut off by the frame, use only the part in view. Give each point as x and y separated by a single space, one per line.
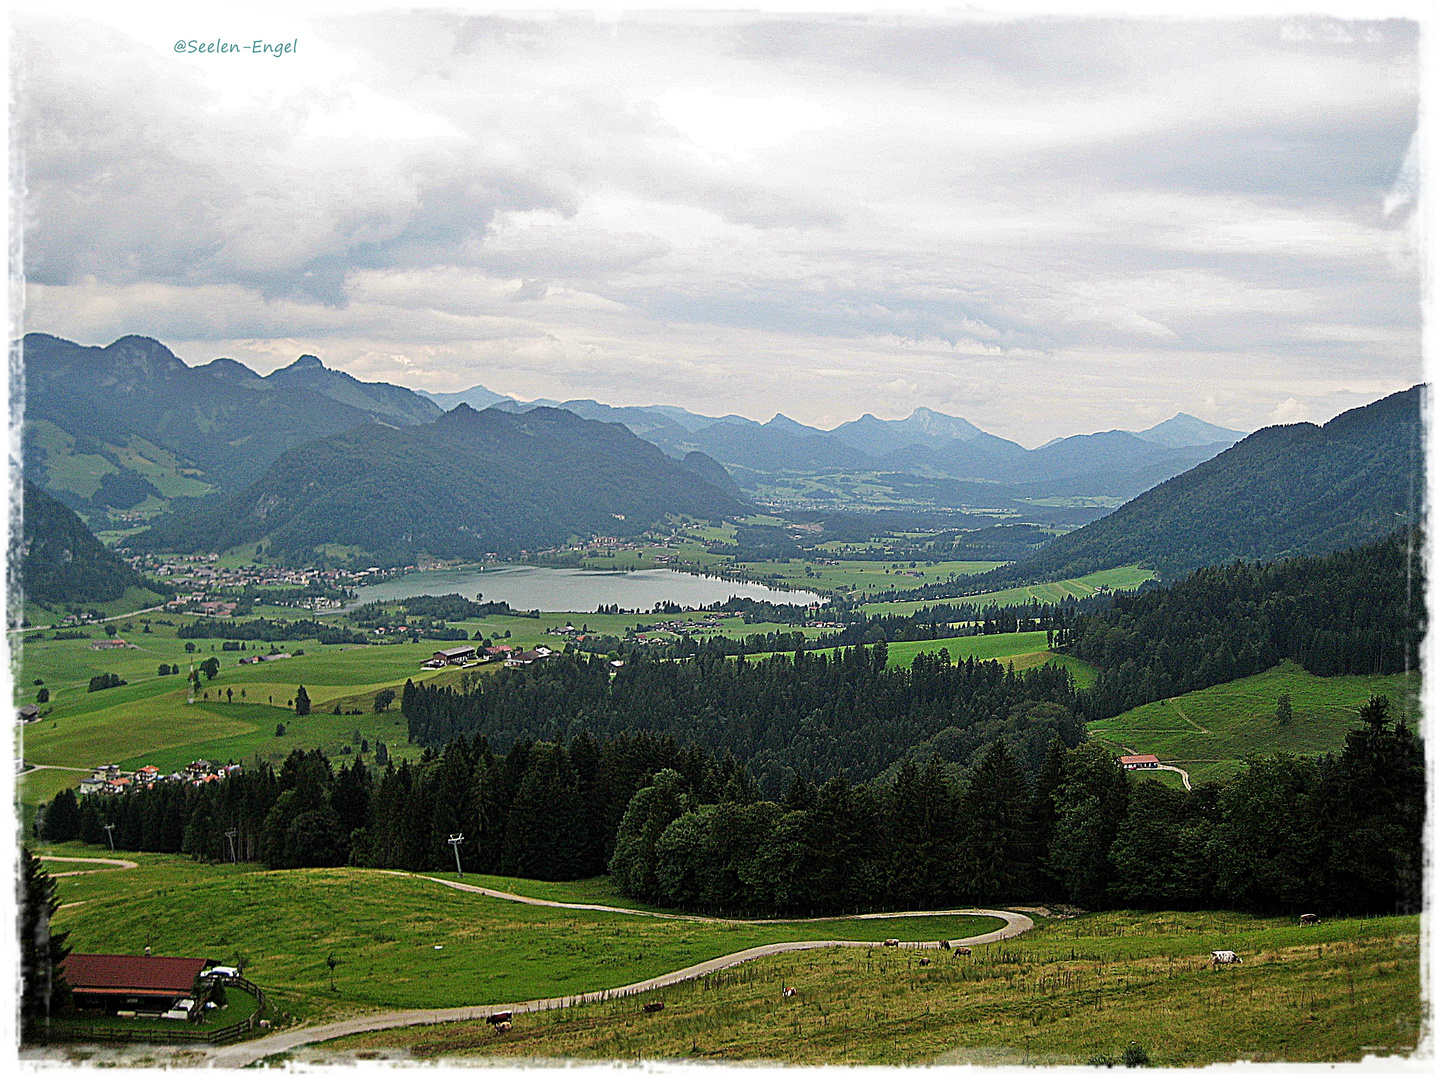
253 1050
109 864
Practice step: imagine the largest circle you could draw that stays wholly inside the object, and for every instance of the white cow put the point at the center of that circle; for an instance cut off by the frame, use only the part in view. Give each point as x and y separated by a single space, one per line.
1224 956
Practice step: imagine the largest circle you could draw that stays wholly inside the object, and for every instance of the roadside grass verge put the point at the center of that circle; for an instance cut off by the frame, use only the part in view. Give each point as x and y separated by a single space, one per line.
1072 992
1238 718
383 928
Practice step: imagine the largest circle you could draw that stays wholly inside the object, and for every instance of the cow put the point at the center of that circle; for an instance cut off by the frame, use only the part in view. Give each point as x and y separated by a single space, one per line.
788 992
654 1006
892 942
924 961
1224 956
1309 920
502 1027
962 950
944 945
499 1018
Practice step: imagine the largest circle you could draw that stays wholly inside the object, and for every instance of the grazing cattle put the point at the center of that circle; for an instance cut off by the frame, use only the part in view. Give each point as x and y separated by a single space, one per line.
1309 920
892 942
1224 956
498 1018
788 992
962 950
923 961
654 1006
502 1027
944 944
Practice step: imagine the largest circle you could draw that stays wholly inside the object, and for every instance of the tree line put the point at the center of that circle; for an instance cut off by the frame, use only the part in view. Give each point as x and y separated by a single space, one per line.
1354 612
806 714
1337 834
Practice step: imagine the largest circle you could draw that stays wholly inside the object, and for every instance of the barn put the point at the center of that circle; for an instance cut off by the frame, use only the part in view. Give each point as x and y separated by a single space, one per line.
1139 761
137 985
456 655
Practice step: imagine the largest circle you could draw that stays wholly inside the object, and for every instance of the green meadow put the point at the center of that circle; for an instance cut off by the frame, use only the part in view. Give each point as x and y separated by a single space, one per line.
1023 650
1078 991
1053 592
383 928
1210 732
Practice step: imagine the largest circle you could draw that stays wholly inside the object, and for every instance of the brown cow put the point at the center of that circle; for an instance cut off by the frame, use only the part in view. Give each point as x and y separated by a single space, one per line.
502 1027
962 950
892 942
654 1006
924 961
1309 920
944 944
788 992
498 1018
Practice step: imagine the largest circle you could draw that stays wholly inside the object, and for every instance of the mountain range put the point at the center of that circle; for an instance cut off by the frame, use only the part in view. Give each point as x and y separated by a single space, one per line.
1294 489
129 432
465 486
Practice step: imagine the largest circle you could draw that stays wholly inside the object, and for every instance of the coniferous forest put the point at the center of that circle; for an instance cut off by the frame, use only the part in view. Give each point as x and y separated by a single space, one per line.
1337 834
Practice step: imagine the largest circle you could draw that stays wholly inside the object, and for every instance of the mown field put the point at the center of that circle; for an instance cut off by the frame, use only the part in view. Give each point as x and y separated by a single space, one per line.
383 928
1121 578
1074 991
1210 732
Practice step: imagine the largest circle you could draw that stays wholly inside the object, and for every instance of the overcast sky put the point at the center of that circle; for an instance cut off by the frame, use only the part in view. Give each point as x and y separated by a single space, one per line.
1045 226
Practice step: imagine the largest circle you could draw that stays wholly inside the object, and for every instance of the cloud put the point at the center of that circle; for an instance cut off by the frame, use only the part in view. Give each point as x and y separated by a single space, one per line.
1040 224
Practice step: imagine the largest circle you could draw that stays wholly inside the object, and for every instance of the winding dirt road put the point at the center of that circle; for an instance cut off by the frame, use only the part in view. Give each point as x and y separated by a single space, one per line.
246 1053
109 864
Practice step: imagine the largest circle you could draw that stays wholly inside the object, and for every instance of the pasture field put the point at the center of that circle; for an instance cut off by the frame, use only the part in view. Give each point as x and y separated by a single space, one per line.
383 927
1074 991
1121 578
1210 732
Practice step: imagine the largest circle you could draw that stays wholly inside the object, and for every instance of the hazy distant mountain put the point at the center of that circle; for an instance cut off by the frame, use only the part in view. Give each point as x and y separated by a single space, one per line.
477 397
1182 429
468 484
1296 489
381 400
923 427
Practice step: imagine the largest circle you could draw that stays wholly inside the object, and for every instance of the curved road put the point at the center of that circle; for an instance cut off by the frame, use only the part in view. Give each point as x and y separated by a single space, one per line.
253 1050
109 864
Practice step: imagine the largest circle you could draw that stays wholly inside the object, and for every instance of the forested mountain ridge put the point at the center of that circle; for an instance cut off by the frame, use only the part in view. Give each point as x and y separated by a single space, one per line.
60 561
470 484
226 423
1296 489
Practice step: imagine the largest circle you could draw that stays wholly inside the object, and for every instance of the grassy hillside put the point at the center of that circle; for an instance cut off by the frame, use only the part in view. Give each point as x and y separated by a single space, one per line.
383 928
1210 732
1074 991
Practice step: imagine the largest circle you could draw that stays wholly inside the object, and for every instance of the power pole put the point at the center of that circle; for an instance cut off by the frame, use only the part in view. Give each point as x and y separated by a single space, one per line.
110 835
230 835
455 842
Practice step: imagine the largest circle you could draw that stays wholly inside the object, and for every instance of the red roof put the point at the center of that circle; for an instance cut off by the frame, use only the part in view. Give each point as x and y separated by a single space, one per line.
1139 759
99 973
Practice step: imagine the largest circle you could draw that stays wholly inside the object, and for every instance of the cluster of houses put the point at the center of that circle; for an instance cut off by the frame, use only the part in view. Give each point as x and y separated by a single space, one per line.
470 655
111 780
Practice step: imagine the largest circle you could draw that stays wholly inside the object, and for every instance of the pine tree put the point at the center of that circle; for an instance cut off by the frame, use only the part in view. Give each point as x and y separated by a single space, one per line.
42 985
1284 713
302 702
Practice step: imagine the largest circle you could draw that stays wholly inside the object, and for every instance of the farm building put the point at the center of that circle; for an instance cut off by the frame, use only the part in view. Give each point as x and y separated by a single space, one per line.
457 655
131 984
1139 761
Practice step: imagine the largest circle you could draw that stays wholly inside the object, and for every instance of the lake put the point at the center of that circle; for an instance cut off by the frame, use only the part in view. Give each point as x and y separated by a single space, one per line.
527 588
